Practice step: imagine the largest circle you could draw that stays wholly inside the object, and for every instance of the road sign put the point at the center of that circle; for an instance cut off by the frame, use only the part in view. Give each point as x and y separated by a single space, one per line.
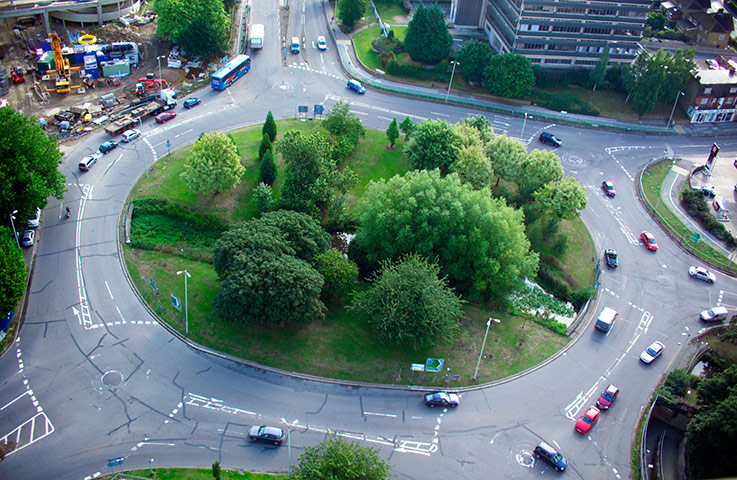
417 367
433 364
175 302
696 237
111 462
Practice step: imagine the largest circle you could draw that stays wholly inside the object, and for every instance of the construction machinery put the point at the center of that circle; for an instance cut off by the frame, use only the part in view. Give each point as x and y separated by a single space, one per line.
16 74
62 71
144 84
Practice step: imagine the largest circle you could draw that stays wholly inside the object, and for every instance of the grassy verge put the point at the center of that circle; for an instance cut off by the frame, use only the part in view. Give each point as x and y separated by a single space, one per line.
362 42
577 264
200 474
652 181
392 13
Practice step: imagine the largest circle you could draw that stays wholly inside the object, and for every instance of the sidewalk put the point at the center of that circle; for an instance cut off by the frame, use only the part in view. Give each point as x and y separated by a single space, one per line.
353 68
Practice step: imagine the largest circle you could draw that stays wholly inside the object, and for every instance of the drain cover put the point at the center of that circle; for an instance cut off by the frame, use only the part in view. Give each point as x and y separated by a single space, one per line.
112 378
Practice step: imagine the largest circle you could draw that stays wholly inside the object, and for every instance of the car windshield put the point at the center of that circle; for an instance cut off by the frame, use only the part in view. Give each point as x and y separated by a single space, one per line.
710 312
652 351
558 457
587 419
607 396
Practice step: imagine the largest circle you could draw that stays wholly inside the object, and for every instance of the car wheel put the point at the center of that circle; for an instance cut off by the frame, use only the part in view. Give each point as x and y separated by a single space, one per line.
711 281
431 405
557 469
276 443
453 406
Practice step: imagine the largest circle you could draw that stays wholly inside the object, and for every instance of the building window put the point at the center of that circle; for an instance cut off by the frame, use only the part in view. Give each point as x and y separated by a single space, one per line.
733 90
534 46
721 37
707 91
534 60
600 31
729 101
703 101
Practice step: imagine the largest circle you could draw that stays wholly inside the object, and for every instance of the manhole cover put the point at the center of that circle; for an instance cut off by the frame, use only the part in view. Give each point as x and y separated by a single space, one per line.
526 458
112 378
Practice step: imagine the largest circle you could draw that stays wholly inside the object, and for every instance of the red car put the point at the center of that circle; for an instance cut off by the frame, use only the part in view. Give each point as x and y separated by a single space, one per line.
165 117
607 398
588 420
649 241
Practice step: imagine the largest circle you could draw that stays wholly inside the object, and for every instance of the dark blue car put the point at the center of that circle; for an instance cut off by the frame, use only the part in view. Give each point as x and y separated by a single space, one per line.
191 102
356 86
551 455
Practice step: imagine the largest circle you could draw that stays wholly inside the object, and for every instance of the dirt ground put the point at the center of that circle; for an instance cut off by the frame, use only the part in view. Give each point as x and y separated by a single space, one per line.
25 97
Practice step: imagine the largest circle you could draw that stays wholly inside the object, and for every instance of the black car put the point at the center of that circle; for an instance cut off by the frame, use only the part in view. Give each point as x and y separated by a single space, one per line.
550 139
441 399
551 455
107 146
611 258
262 433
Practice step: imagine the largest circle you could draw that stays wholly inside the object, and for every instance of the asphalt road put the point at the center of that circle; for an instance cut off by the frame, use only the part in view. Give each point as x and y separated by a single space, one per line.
94 377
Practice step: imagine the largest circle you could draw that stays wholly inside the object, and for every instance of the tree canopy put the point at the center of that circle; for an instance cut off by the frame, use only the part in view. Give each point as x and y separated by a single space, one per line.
349 12
506 154
269 127
29 169
434 144
563 199
658 78
339 273
428 39
345 130
509 75
267 169
473 57
12 272
409 303
200 27
213 164
538 168
478 241
338 459
392 132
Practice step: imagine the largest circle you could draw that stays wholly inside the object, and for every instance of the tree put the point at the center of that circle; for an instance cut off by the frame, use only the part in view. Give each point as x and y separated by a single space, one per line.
339 273
267 169
409 303
345 129
482 124
597 74
308 172
659 78
264 147
269 127
349 12
473 57
407 127
200 27
212 165
656 20
335 458
710 436
539 168
509 75
216 470
29 168
392 133
473 167
507 155
428 39
479 242
12 272
434 144
303 233
262 198
562 199
716 388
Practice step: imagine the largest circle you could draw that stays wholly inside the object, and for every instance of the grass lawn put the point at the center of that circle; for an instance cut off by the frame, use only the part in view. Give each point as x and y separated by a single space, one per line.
362 42
392 13
199 474
652 181
577 263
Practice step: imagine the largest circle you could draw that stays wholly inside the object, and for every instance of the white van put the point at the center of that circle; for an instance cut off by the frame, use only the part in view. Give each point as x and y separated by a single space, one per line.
606 319
715 314
130 135
295 45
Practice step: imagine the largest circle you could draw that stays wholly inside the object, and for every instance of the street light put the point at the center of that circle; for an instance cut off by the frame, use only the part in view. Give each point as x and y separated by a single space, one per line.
186 309
15 234
451 79
674 106
158 59
143 148
488 324
523 127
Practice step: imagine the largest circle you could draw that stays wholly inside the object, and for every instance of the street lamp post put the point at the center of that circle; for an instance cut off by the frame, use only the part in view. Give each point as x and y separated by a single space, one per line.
483 344
674 106
186 308
15 234
143 147
523 127
159 60
451 79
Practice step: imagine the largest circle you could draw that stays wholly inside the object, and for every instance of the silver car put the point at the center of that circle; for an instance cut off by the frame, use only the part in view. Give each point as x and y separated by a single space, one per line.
702 274
652 352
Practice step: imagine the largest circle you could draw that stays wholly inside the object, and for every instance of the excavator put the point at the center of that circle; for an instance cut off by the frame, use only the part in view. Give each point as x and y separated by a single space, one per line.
63 71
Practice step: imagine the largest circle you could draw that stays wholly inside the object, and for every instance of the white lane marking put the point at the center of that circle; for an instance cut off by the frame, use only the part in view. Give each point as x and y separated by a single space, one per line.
439 114
84 309
108 290
183 133
391 415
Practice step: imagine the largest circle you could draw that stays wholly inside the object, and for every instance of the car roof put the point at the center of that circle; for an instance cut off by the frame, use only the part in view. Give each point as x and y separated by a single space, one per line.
612 389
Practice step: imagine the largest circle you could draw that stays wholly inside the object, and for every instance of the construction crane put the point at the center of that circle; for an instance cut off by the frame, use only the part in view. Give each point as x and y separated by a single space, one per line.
63 71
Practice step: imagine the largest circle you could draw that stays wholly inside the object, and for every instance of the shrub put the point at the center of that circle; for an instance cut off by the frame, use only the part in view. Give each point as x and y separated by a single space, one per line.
563 102
697 206
406 69
386 57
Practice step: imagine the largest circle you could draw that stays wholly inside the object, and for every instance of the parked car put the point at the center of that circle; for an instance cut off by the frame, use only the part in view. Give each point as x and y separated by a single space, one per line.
130 135
550 139
263 433
27 239
33 222
608 188
588 420
441 399
89 160
652 352
701 273
107 146
321 43
611 258
649 240
708 190
607 398
294 46
551 455
165 116
356 86
191 102
715 314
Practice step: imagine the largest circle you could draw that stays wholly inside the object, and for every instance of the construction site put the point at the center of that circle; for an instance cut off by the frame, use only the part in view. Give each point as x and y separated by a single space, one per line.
79 77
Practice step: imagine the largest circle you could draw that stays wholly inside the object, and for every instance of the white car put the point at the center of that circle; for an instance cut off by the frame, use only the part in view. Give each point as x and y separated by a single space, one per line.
652 352
321 43
130 135
33 222
702 274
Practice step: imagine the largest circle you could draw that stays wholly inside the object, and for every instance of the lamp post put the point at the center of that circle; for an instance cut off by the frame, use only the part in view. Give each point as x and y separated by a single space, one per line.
186 308
143 147
488 324
523 127
15 234
674 106
158 59
451 79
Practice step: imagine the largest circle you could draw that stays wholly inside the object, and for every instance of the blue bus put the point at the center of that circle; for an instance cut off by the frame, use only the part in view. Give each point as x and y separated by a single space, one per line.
230 72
